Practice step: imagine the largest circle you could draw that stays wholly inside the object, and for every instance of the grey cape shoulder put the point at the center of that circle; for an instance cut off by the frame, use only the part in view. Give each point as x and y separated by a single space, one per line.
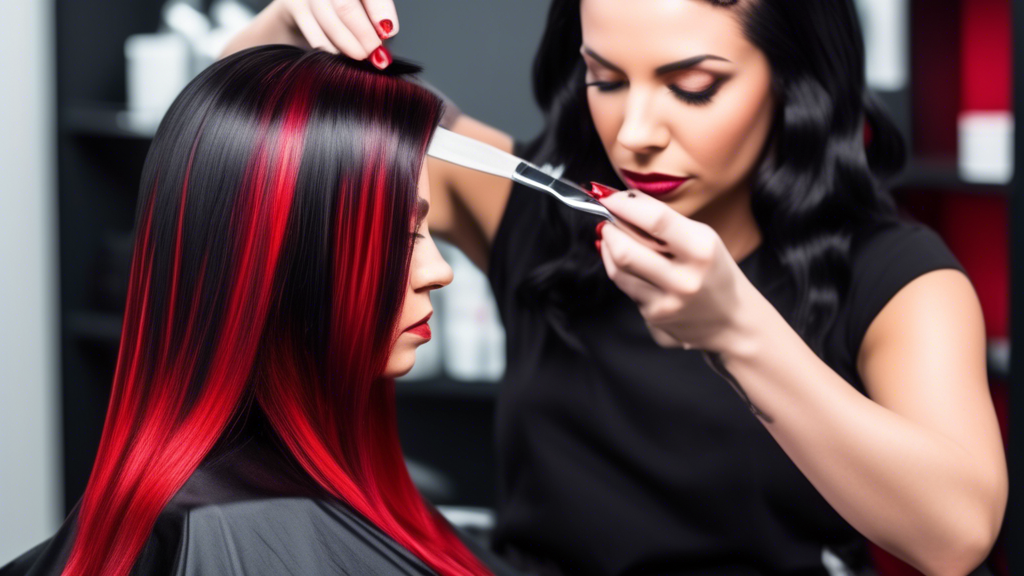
266 536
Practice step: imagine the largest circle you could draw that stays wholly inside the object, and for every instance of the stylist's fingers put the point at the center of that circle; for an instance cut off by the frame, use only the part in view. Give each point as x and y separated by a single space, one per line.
664 339
312 32
632 257
355 18
383 15
662 223
639 290
336 31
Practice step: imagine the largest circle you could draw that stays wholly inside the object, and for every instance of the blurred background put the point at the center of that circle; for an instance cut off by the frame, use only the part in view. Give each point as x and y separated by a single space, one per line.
86 82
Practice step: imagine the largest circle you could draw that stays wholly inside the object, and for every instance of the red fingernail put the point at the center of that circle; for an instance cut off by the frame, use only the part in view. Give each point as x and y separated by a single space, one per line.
599 191
387 26
380 57
599 227
597 244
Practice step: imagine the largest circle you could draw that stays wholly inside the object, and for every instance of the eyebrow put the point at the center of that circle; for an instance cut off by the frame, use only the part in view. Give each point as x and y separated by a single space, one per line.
661 70
422 207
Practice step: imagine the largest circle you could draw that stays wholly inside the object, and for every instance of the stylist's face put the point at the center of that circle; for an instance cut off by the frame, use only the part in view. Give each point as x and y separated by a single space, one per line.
681 99
428 271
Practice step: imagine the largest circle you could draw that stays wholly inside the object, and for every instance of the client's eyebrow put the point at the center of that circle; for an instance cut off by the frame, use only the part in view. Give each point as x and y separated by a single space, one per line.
422 207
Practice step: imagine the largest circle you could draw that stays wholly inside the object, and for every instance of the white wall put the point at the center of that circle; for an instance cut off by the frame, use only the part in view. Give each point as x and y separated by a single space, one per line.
30 488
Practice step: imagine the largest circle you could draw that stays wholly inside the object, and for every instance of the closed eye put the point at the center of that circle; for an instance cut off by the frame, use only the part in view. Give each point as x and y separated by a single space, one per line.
607 86
698 98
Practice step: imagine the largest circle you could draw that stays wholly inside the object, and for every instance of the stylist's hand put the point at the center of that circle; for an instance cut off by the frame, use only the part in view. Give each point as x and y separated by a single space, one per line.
354 28
689 289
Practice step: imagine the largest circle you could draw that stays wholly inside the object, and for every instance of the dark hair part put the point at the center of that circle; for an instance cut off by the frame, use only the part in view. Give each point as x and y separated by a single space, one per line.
815 186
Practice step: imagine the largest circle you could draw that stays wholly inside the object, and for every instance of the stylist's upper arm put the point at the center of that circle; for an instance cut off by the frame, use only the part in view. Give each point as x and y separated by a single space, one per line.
466 206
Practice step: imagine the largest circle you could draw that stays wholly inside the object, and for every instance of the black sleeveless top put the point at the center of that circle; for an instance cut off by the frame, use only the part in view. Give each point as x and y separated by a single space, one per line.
250 510
627 458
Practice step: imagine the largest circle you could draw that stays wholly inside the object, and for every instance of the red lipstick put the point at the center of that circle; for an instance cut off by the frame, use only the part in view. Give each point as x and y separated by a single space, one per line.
421 328
653 183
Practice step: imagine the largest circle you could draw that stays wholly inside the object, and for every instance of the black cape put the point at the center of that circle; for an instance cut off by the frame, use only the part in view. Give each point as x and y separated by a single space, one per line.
249 510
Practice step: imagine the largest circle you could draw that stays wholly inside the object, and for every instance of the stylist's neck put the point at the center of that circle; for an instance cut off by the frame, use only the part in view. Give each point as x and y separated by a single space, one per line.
733 219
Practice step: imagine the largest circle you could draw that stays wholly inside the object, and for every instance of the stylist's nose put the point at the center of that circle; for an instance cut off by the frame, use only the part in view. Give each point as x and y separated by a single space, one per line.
641 131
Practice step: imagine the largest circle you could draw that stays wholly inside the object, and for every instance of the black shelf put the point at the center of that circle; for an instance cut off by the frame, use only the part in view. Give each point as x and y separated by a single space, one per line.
105 120
98 327
941 174
446 386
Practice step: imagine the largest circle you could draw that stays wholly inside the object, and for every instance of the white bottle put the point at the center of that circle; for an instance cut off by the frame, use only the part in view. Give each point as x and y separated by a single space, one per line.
158 67
473 340
886 43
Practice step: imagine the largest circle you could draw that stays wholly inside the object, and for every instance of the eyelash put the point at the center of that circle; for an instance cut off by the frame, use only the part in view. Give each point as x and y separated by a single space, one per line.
695 98
606 86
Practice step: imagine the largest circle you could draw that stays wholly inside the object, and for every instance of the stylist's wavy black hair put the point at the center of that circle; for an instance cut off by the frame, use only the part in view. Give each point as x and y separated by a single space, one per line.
816 183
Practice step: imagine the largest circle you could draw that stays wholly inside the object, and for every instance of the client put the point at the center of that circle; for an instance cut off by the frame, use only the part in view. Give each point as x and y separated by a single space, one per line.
280 280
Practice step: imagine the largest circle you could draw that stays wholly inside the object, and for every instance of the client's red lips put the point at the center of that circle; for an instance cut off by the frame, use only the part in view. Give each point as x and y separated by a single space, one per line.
421 328
652 183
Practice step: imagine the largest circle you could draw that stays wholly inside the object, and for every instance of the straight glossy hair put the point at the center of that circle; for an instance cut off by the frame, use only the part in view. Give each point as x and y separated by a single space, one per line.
271 261
817 182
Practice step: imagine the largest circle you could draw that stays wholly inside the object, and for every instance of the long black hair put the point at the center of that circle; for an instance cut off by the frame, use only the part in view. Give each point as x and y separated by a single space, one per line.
817 182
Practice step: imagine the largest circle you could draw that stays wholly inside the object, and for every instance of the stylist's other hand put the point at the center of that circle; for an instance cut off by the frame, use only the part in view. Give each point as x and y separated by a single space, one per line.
689 289
354 28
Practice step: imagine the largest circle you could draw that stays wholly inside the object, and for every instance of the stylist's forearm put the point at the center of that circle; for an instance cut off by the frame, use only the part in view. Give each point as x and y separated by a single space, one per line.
905 487
271 26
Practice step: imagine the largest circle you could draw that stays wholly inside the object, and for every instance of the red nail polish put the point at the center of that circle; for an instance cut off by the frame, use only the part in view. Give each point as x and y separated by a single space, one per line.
600 227
380 57
387 26
599 191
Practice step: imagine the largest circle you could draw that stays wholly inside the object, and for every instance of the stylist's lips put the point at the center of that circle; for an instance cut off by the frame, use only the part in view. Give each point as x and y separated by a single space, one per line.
421 328
654 184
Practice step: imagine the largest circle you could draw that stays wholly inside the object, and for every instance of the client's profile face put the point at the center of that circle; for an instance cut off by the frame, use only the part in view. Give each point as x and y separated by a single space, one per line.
428 271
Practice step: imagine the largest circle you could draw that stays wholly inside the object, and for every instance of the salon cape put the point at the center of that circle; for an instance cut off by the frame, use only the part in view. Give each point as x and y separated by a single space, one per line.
249 512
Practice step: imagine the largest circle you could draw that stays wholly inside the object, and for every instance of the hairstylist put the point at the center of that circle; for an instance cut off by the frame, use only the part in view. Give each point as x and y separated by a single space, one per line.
770 366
